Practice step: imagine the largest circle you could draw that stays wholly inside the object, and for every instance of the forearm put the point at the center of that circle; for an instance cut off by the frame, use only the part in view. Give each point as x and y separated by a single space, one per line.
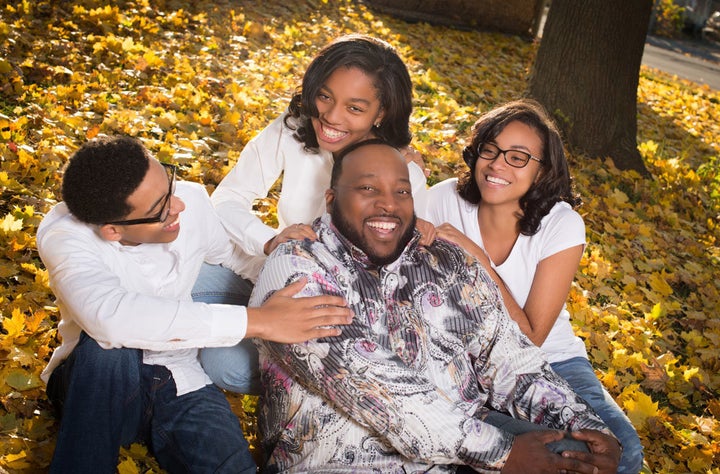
526 387
119 318
514 310
244 228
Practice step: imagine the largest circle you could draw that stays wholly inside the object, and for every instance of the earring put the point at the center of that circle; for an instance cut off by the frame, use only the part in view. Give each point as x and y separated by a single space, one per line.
377 124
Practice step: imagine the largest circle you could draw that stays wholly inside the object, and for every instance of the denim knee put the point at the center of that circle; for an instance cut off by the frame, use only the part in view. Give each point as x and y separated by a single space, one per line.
198 433
579 374
219 285
233 368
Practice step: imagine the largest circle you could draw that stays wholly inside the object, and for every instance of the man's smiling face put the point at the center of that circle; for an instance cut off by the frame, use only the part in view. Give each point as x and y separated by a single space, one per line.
371 203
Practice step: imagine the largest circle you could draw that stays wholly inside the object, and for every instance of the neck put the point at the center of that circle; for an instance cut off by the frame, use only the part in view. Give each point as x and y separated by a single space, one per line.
501 218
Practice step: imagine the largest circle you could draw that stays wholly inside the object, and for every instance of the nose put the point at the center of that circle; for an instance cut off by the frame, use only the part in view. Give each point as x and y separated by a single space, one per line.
176 205
332 114
499 161
387 201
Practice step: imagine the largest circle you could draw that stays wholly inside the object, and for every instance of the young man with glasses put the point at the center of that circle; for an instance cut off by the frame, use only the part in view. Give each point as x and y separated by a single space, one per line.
122 252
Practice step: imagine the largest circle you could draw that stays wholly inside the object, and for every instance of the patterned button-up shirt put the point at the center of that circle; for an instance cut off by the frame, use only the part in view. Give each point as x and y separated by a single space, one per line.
406 386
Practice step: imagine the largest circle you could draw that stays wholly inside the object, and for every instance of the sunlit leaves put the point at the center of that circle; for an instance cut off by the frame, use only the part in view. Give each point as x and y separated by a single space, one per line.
197 80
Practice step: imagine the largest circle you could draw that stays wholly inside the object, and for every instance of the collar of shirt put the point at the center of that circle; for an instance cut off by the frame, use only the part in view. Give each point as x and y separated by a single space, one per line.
339 245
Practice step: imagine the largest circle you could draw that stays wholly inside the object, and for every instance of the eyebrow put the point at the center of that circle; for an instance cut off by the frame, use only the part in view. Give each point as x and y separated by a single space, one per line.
375 175
514 147
325 88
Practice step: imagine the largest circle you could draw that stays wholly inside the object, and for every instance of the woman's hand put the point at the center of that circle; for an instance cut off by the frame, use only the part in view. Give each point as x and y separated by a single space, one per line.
411 154
427 231
449 232
293 232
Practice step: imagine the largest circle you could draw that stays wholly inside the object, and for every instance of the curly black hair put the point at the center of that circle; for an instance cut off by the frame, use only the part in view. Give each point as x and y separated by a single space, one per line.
554 184
377 59
101 175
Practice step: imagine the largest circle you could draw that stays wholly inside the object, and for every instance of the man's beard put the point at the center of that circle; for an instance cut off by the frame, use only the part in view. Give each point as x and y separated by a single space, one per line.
344 227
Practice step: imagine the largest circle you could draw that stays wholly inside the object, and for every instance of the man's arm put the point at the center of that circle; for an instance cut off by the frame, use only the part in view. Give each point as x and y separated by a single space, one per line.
94 297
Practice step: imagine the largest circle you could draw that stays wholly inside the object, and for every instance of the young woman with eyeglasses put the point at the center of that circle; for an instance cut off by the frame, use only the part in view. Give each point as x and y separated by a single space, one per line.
513 210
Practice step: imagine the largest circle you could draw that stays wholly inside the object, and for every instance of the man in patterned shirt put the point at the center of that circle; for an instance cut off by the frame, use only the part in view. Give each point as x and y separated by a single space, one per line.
405 387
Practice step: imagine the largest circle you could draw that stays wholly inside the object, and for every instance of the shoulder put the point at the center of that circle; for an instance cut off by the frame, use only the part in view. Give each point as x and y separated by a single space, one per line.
59 219
194 195
190 190
444 188
448 257
457 268
444 204
60 233
563 215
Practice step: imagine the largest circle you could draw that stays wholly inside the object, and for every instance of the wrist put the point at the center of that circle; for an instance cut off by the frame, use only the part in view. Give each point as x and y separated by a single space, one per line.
268 246
254 328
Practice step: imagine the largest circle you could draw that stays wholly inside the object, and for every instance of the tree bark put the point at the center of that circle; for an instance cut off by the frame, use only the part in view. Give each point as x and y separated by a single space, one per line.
508 16
586 74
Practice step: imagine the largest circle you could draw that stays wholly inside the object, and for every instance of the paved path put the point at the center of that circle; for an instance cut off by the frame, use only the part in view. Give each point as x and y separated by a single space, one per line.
693 60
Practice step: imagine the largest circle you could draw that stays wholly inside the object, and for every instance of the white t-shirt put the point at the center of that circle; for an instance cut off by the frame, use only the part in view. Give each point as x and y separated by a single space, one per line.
306 176
560 229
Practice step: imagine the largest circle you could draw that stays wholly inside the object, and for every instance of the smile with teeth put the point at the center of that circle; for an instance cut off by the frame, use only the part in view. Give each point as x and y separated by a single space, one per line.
331 133
382 226
173 225
496 180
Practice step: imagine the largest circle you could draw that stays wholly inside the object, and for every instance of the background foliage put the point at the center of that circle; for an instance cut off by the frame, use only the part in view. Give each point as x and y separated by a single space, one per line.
196 80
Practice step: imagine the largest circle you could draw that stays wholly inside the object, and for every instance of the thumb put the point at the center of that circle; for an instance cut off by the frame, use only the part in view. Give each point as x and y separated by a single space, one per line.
293 288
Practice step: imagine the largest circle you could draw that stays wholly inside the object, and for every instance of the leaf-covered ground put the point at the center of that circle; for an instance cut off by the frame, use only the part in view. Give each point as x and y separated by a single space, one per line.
196 80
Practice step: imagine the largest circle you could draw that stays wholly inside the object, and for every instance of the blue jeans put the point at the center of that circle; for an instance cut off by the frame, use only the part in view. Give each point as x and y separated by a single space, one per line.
234 368
580 375
517 427
108 398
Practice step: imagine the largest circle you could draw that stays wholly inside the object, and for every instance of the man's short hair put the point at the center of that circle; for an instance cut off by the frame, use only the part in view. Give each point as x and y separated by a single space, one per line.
337 164
101 175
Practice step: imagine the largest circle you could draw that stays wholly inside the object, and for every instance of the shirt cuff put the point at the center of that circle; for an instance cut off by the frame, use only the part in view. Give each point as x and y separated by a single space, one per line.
229 324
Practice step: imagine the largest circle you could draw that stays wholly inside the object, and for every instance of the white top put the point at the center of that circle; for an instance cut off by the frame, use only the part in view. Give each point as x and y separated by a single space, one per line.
560 229
139 296
306 176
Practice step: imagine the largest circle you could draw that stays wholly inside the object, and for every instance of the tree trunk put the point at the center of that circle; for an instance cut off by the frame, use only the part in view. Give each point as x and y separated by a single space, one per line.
586 74
508 16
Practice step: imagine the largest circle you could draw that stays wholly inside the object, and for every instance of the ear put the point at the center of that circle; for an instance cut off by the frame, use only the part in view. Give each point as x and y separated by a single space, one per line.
110 232
380 117
329 199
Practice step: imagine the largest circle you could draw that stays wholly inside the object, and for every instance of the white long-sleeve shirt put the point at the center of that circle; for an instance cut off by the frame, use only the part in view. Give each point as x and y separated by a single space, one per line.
139 296
306 176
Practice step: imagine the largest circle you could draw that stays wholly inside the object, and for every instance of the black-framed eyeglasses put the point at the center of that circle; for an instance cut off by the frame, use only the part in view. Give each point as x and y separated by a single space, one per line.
514 158
164 209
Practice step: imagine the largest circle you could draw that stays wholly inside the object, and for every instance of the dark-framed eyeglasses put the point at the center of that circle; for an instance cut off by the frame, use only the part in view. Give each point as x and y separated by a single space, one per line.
514 158
164 209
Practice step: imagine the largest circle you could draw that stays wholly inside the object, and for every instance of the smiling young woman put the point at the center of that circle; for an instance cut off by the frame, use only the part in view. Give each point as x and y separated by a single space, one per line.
356 88
514 211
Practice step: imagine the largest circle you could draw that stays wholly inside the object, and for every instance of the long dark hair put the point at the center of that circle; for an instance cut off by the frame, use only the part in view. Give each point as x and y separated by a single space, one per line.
377 59
554 183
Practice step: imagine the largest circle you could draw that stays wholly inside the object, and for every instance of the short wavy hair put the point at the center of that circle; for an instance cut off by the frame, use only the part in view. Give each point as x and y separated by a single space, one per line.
376 58
101 175
554 184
